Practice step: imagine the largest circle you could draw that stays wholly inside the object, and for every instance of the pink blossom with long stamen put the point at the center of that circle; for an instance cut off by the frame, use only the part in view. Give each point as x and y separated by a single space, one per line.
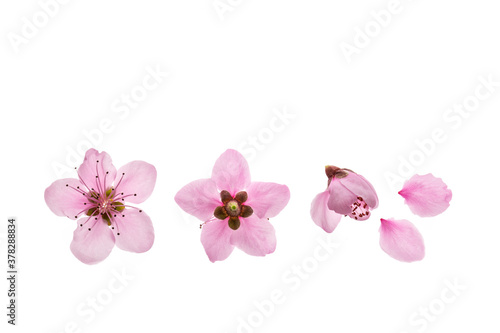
98 200
234 210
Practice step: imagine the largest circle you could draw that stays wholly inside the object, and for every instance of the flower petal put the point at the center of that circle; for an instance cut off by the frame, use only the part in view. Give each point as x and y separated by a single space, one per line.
215 238
94 245
361 187
90 169
138 180
231 172
321 215
401 240
341 198
199 198
426 195
267 199
65 200
255 236
136 232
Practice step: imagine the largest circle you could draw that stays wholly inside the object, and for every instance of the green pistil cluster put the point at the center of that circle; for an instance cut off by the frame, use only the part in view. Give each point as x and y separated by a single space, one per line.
233 208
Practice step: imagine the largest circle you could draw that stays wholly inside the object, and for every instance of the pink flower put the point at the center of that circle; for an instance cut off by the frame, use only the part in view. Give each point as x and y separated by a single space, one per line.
235 211
99 196
426 195
347 194
350 194
401 240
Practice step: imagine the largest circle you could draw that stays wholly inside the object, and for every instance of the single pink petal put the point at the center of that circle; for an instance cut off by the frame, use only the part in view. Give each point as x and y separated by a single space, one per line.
94 245
91 168
65 200
136 180
401 240
215 238
321 215
341 198
361 187
267 199
255 236
133 231
426 195
231 172
199 198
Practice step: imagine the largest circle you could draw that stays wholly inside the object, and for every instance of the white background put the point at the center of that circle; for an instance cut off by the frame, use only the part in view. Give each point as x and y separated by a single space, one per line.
227 77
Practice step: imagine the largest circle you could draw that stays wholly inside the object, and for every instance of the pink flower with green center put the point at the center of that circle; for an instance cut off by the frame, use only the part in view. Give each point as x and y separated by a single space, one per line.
98 200
234 210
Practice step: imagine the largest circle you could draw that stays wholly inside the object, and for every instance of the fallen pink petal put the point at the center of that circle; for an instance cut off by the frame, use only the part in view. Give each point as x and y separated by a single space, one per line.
98 200
401 240
234 210
426 195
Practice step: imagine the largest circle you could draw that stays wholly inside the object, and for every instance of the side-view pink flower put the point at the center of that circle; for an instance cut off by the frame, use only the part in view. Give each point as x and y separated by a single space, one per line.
235 211
426 195
347 194
98 201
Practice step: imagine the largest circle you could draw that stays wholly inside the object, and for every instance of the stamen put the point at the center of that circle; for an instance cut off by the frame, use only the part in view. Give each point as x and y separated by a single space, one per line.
119 182
360 210
208 221
98 183
81 180
82 224
76 189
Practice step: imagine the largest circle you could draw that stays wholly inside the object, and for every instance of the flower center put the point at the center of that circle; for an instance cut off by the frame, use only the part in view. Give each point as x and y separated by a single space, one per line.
107 202
360 210
233 208
107 205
